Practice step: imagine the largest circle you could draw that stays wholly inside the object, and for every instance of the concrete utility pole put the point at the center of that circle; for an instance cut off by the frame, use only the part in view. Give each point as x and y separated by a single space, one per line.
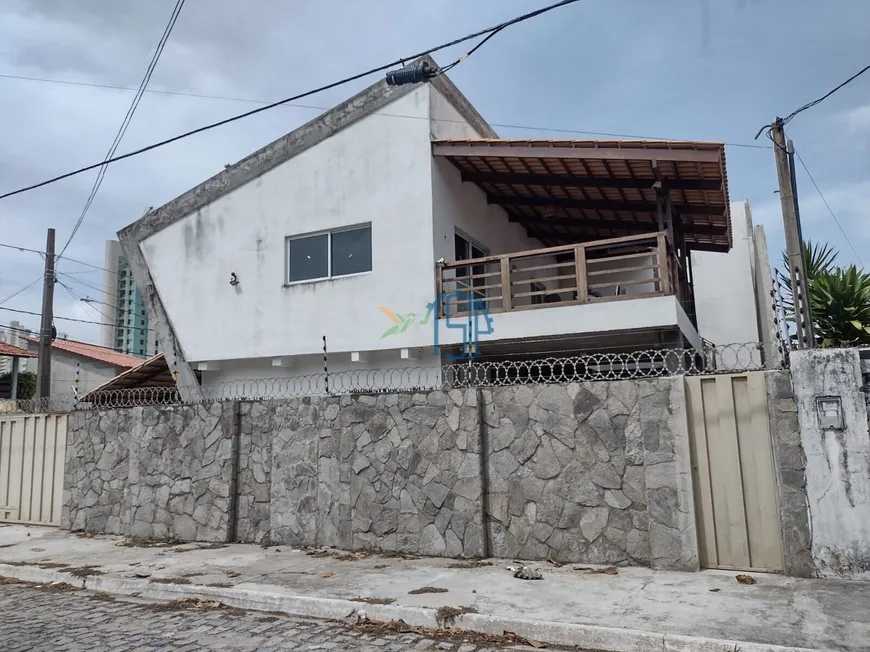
43 379
797 267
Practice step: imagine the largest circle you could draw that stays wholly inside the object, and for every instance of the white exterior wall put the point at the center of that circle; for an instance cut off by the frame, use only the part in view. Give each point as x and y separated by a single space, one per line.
462 206
377 171
724 288
837 479
65 365
381 369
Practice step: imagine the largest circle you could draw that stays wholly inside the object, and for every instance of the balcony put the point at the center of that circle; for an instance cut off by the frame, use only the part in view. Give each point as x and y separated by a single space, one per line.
616 269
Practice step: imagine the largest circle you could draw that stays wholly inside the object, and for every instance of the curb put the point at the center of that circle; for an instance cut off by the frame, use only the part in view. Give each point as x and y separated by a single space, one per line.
592 637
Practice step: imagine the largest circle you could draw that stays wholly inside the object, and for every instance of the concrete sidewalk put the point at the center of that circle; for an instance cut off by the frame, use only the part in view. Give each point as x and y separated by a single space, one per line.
635 609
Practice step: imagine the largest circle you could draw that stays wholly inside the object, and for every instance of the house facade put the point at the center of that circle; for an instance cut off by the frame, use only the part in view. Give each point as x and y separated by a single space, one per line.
77 367
336 246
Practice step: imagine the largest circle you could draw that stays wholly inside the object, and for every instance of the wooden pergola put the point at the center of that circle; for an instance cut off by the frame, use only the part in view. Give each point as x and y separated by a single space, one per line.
572 191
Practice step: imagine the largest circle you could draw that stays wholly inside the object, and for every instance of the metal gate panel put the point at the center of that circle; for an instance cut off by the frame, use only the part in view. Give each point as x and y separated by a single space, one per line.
733 472
32 452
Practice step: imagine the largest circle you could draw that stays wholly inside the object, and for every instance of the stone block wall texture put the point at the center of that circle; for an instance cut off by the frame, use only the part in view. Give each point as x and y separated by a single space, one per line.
150 472
592 472
790 465
394 472
254 491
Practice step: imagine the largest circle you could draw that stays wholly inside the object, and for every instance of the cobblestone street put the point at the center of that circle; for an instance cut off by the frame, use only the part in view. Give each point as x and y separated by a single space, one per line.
35 619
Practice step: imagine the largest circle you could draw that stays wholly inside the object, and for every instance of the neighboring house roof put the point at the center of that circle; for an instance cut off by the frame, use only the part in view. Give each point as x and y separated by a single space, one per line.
98 353
152 372
10 351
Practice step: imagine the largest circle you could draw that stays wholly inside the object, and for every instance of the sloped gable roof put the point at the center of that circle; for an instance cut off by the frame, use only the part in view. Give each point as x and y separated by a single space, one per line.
98 353
361 105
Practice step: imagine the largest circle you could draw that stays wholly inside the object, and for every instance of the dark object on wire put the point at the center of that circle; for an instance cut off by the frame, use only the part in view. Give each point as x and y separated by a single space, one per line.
491 31
411 74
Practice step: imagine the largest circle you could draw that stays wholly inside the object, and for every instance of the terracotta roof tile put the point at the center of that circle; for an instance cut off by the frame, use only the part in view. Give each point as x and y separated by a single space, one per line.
7 350
94 352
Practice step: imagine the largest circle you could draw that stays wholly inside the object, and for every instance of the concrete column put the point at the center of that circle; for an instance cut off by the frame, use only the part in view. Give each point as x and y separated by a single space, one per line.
14 395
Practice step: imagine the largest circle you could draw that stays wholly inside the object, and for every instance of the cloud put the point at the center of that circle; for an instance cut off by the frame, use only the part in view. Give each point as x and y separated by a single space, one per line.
856 119
545 73
850 202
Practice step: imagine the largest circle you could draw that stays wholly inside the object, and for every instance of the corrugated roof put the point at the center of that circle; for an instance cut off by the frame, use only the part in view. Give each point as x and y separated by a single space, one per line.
153 372
10 351
99 353
565 191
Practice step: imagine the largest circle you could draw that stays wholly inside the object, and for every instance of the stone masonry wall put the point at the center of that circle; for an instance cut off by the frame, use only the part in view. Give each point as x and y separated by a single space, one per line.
150 472
396 472
591 472
256 427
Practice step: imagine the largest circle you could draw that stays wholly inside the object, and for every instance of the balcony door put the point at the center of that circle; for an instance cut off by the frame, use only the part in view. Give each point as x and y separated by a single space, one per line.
465 249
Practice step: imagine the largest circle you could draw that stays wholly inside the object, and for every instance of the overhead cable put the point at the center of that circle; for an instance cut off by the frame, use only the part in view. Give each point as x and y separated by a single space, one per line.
341 82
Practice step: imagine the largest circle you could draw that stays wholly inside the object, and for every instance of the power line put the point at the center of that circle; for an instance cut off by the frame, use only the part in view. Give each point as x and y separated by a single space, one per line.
128 118
809 105
26 287
80 297
42 253
81 321
379 114
91 286
828 206
88 300
30 333
267 107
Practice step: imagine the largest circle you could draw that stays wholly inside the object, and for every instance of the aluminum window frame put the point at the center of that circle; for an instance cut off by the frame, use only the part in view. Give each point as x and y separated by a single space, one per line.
328 233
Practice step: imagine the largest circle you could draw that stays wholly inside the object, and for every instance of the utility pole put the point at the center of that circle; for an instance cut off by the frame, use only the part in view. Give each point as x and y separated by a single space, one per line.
797 267
43 380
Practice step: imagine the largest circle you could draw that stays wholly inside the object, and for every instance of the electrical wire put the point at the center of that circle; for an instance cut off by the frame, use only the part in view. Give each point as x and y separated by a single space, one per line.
42 253
89 301
341 82
81 298
379 114
26 287
81 321
828 206
450 66
784 121
90 286
809 105
30 333
125 123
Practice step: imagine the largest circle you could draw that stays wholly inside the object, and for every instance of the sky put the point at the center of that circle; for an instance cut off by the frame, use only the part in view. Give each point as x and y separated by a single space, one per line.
679 69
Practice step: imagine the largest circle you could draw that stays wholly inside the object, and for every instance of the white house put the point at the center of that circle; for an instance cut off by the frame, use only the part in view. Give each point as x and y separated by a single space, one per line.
77 367
336 239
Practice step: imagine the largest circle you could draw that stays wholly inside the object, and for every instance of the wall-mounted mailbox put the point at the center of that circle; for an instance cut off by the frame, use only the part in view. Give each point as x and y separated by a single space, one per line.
830 411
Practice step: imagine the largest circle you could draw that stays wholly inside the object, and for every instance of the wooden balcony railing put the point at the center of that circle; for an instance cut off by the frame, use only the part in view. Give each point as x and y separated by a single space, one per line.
616 269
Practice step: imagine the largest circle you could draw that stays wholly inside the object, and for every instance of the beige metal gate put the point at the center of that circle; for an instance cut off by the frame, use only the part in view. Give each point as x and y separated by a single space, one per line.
733 473
32 450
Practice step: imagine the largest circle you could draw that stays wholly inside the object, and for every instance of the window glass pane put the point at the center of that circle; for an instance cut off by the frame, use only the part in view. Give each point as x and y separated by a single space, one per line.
352 251
460 245
307 258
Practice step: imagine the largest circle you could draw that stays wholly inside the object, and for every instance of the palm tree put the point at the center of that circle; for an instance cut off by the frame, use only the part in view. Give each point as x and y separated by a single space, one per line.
839 298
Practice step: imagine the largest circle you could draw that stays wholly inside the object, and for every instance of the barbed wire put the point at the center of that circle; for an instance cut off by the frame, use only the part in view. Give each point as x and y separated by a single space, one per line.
651 363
